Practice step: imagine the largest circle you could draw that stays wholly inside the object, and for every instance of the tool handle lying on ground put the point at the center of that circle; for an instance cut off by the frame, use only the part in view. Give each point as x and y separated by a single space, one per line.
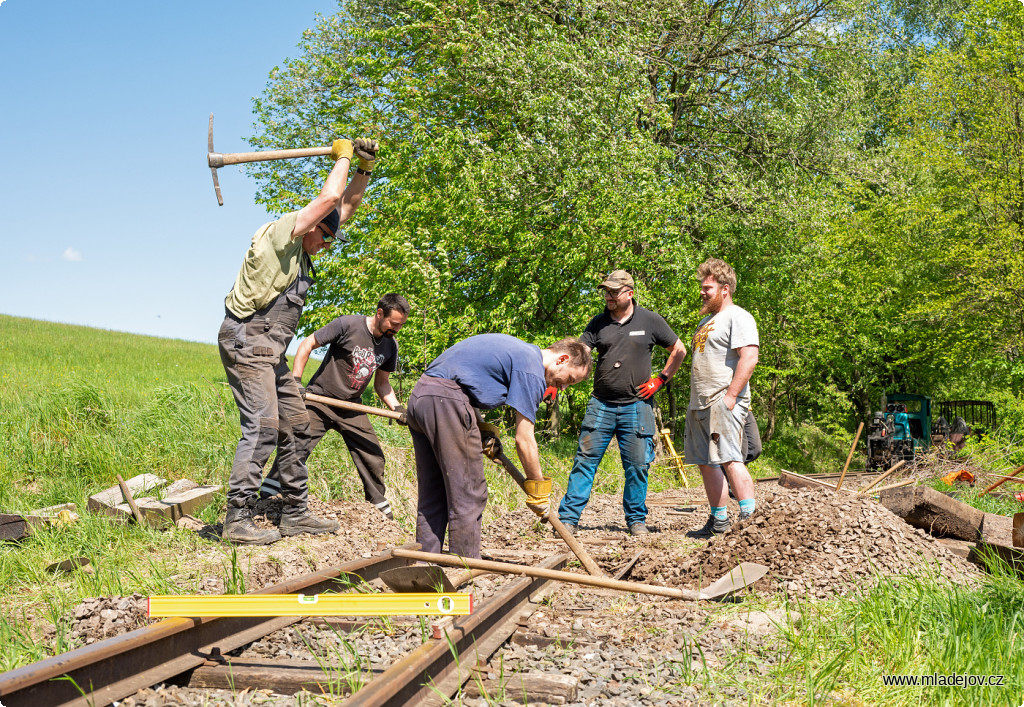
884 476
999 483
1006 478
552 518
355 407
741 576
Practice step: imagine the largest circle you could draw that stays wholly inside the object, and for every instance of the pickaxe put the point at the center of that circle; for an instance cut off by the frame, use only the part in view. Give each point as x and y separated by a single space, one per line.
215 159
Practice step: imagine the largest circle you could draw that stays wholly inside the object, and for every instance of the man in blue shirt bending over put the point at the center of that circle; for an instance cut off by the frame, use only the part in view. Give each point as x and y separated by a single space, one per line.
482 372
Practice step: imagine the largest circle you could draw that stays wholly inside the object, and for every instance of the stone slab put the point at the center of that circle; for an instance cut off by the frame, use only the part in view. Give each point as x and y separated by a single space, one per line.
105 501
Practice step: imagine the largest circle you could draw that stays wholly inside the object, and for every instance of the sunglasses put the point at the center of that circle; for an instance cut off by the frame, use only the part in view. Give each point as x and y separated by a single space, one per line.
330 238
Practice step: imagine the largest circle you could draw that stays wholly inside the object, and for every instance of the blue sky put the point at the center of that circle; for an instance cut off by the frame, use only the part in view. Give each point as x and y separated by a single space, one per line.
107 211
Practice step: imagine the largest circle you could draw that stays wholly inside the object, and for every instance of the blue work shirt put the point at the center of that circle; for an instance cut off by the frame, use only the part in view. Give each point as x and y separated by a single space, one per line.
495 370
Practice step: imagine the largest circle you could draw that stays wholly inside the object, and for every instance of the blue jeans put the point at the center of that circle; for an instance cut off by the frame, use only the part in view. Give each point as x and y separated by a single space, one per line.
633 425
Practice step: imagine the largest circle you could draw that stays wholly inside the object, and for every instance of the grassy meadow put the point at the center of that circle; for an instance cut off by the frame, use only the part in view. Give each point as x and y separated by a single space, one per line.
81 405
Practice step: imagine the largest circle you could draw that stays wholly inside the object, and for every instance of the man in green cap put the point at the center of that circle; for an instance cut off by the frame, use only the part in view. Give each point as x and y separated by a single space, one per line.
261 314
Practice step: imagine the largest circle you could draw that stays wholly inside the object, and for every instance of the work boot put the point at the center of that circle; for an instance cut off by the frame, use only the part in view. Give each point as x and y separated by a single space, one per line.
239 528
714 526
638 529
572 528
294 522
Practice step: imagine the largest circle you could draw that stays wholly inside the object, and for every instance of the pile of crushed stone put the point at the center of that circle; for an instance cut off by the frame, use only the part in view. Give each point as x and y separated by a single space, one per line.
814 544
103 617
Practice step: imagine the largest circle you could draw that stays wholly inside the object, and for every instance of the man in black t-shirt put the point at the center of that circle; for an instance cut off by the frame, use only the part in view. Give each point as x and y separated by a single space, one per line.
622 404
360 348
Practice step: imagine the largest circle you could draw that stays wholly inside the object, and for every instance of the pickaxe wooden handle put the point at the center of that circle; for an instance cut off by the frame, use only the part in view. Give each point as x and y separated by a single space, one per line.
563 532
216 159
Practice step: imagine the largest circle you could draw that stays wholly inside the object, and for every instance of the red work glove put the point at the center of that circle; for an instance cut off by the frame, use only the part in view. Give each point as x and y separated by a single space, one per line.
648 389
550 390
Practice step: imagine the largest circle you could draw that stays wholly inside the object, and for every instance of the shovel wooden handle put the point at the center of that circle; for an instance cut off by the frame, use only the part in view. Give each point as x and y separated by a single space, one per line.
849 458
509 568
354 407
563 532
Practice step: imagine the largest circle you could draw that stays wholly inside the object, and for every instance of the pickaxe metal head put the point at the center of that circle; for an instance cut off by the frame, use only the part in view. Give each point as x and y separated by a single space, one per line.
215 159
213 167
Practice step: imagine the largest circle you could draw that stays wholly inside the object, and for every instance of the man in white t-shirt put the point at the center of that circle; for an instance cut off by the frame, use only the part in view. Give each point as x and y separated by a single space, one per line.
725 348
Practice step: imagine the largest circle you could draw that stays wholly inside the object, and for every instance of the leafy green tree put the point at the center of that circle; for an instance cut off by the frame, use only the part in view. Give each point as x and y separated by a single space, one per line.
529 147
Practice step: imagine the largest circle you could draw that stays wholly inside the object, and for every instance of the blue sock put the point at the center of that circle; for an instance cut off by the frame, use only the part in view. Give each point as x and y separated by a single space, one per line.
720 512
747 505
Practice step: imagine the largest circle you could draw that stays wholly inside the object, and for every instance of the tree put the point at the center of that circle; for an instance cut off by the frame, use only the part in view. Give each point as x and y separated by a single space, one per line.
530 147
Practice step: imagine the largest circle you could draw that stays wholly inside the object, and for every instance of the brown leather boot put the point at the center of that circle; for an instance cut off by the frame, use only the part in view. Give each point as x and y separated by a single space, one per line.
239 529
294 522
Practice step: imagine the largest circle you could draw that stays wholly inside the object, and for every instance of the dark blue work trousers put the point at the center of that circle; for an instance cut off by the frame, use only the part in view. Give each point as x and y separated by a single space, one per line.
632 424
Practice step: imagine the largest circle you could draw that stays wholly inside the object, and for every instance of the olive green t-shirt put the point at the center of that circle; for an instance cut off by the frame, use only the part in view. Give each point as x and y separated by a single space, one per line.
273 262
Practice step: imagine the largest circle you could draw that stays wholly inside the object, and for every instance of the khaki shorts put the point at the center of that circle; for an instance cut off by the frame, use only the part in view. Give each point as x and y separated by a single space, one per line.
714 435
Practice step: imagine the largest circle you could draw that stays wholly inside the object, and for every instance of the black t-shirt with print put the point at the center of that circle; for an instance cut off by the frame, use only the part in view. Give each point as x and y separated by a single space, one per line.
624 352
352 358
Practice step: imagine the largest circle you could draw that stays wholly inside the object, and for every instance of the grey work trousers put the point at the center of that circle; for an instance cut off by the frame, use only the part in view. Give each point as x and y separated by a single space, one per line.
270 408
449 467
364 447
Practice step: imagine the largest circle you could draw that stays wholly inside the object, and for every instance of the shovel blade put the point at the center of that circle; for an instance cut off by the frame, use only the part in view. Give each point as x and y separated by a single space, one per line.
417 579
743 575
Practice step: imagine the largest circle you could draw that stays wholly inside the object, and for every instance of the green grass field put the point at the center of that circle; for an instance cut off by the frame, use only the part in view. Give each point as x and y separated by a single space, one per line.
81 405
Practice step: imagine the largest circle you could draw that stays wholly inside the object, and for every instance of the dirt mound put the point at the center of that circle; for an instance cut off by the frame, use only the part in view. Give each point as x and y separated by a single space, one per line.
814 544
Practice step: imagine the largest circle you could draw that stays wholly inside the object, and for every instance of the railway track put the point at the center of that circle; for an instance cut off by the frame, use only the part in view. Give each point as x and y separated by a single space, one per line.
110 670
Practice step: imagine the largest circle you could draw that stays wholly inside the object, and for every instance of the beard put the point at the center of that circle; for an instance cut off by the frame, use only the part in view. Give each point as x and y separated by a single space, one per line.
713 305
616 306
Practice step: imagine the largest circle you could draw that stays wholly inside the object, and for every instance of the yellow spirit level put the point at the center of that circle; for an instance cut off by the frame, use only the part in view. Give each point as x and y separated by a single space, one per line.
314 605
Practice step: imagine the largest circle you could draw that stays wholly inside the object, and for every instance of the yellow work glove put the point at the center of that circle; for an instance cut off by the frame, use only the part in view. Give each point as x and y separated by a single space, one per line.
341 148
538 495
366 151
490 441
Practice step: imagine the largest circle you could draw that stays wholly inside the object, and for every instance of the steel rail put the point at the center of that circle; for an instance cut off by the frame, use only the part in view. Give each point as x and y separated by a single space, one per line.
109 670
435 670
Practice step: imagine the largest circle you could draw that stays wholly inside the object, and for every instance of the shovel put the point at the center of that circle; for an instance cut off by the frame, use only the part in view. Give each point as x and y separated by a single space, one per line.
425 579
500 459
743 575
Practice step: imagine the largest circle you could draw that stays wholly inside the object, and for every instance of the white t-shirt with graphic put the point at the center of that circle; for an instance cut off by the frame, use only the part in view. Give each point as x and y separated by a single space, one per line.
715 356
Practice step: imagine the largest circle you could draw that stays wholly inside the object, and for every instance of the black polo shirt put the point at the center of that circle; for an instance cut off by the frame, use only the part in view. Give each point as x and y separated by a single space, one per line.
624 352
